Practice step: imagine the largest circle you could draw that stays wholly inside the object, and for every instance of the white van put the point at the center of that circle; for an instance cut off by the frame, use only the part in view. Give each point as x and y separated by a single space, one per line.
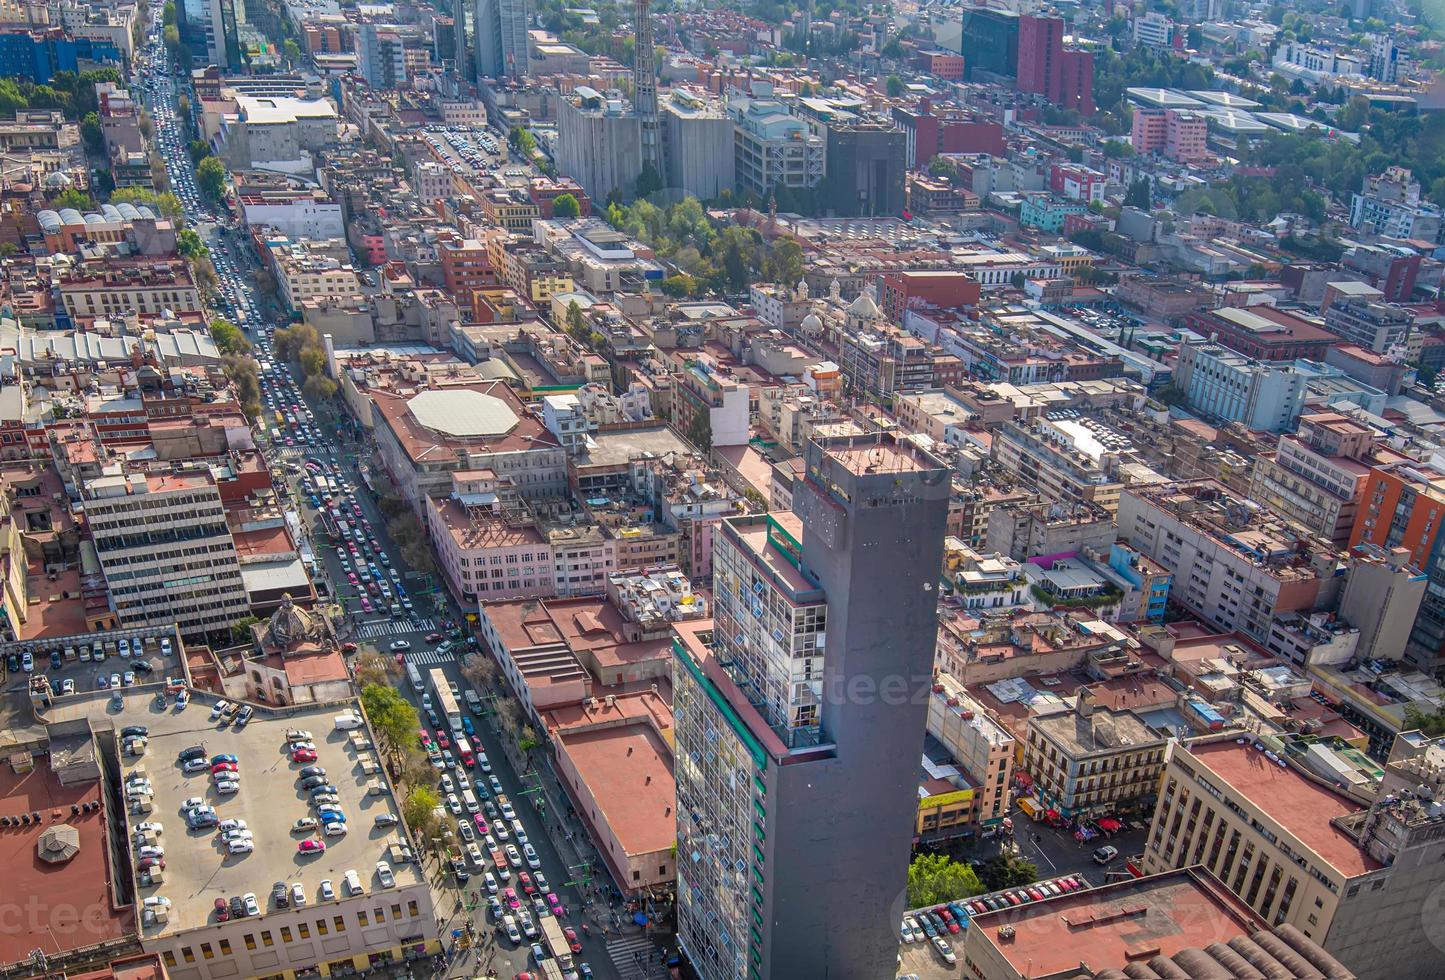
469 800
347 721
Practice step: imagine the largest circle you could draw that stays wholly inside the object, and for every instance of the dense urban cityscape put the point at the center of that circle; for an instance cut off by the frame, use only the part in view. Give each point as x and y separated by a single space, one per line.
587 450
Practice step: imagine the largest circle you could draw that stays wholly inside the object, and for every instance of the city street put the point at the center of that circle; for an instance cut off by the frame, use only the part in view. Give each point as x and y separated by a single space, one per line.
567 861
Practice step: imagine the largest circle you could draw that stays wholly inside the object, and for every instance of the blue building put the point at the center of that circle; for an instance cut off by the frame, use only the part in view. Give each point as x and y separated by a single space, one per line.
1149 583
38 56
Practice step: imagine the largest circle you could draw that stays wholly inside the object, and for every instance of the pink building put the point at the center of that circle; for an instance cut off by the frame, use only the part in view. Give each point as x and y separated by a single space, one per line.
484 557
1179 135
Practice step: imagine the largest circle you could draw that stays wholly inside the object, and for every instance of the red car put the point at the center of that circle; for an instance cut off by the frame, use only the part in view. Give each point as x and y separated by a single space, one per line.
509 896
525 880
223 911
573 943
433 637
303 755
442 741
311 846
223 767
349 648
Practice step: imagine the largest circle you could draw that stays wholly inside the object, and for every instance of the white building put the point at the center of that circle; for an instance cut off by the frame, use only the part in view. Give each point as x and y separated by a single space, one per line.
306 215
166 550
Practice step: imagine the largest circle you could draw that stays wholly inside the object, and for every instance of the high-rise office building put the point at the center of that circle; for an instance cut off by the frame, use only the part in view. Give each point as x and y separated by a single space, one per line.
1064 77
797 716
500 36
990 43
644 88
380 57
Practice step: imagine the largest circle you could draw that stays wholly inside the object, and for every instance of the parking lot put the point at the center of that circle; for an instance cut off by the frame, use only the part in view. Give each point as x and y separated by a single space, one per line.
198 868
91 661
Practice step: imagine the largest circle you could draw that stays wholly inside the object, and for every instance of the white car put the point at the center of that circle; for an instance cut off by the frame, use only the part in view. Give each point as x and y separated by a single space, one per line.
218 708
298 895
353 882
228 786
231 835
193 802
491 882
328 894
249 901
507 810
454 804
151 851
196 765
911 931
335 829
944 950
514 856
151 827
384 875
533 861
241 847
299 735
231 824
304 823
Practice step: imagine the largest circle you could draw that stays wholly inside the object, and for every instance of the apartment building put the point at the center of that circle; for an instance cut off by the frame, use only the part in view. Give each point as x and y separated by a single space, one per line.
1062 459
1316 478
302 276
1377 327
1403 507
1092 759
1233 563
1352 876
983 747
774 147
166 550
1391 204
120 289
485 556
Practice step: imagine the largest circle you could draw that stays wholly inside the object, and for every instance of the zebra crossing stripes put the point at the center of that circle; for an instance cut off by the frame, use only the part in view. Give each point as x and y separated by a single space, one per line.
395 627
430 658
624 954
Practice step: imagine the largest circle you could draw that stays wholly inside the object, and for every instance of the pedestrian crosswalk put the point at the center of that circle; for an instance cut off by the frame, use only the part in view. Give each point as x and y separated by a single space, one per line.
395 627
637 958
430 658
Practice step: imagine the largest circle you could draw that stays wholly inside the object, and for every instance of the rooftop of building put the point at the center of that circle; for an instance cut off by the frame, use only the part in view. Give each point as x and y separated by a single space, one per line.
628 770
620 447
477 528
433 423
1297 803
1101 931
1104 729
67 904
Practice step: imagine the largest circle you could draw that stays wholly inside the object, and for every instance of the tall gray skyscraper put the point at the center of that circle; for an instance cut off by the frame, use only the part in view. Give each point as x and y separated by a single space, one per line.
799 723
500 36
644 88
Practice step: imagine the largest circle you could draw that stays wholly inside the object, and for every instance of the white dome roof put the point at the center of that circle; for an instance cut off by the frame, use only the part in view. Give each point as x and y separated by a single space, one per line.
864 306
811 323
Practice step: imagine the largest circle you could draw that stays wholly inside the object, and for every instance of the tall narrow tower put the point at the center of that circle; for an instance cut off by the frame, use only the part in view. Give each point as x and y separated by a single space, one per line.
644 88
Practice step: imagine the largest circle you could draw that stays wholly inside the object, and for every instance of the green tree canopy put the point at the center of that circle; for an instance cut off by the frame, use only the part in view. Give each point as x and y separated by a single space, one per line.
566 206
72 198
1008 871
390 714
190 245
894 86
211 178
934 879
229 338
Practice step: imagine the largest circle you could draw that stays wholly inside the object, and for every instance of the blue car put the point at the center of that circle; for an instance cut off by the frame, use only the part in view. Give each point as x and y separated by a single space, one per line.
216 760
333 816
467 726
102 681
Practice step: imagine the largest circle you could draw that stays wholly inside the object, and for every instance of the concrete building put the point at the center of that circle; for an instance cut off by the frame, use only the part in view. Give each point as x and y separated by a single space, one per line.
1195 928
1154 30
304 277
1221 384
1381 599
501 37
307 215
985 748
1403 506
280 133
1233 563
381 57
774 148
1298 851
1377 327
1092 759
166 550
698 134
1390 204
599 142
1176 134
1063 76
1062 459
772 720
864 168
1316 478
990 43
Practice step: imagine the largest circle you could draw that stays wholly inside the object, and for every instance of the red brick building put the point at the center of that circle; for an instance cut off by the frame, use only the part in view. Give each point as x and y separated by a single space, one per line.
1064 77
950 290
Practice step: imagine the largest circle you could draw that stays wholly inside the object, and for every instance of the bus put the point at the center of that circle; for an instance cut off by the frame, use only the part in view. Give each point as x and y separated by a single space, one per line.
556 942
446 702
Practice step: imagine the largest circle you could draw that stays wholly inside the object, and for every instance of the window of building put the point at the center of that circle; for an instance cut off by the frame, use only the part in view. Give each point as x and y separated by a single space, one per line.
266 939
303 930
169 958
339 923
362 917
188 954
396 911
286 934
207 952
225 947
250 940
321 927
411 909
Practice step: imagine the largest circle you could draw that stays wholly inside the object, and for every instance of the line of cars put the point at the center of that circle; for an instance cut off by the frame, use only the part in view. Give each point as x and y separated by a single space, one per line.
935 924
